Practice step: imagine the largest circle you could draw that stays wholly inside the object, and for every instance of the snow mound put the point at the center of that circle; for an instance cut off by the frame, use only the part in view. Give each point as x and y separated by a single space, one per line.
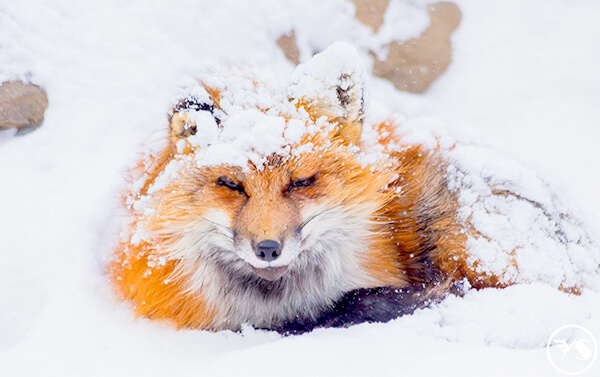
518 228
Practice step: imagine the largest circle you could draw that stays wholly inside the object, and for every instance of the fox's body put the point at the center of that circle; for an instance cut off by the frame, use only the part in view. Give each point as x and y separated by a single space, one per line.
300 222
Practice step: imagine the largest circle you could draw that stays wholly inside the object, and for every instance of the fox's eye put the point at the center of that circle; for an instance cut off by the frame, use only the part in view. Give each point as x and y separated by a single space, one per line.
230 184
304 182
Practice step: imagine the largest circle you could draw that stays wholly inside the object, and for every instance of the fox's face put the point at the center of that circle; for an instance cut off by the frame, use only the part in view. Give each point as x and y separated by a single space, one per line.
268 229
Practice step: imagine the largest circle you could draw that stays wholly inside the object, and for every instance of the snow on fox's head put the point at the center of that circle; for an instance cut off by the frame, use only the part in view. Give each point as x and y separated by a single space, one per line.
268 190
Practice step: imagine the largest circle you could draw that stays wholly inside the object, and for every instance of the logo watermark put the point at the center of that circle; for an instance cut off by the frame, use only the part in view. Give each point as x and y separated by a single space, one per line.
572 350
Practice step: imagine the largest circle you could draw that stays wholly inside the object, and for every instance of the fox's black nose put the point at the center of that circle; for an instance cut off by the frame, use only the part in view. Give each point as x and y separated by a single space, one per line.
268 250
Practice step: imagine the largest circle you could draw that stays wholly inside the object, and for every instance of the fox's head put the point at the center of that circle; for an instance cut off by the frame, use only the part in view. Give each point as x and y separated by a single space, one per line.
269 197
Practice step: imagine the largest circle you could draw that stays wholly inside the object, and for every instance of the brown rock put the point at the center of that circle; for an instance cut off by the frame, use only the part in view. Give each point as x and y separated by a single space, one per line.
22 106
288 45
414 64
370 12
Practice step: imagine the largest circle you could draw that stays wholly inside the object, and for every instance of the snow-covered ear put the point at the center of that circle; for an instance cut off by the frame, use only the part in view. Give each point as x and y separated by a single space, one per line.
331 84
186 113
180 124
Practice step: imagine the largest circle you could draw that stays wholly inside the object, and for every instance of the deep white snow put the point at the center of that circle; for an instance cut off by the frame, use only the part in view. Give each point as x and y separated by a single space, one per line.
524 84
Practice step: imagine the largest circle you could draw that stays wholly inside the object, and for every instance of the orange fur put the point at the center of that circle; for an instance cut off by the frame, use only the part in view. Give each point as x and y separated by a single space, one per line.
156 292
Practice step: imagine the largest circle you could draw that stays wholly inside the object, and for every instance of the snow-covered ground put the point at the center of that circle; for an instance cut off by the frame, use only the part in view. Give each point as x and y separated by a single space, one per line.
524 81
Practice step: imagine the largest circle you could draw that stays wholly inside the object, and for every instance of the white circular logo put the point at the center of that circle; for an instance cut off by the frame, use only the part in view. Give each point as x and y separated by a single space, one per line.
572 350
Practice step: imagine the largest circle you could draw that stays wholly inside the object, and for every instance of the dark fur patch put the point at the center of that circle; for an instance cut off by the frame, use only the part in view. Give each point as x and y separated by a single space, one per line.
365 305
380 304
192 103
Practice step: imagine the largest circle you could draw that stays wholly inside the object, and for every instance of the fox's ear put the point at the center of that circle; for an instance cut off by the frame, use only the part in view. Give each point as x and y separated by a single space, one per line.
331 84
350 94
185 114
180 126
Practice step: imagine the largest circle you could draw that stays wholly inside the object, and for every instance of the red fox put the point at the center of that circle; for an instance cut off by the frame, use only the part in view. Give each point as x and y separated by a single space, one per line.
277 204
